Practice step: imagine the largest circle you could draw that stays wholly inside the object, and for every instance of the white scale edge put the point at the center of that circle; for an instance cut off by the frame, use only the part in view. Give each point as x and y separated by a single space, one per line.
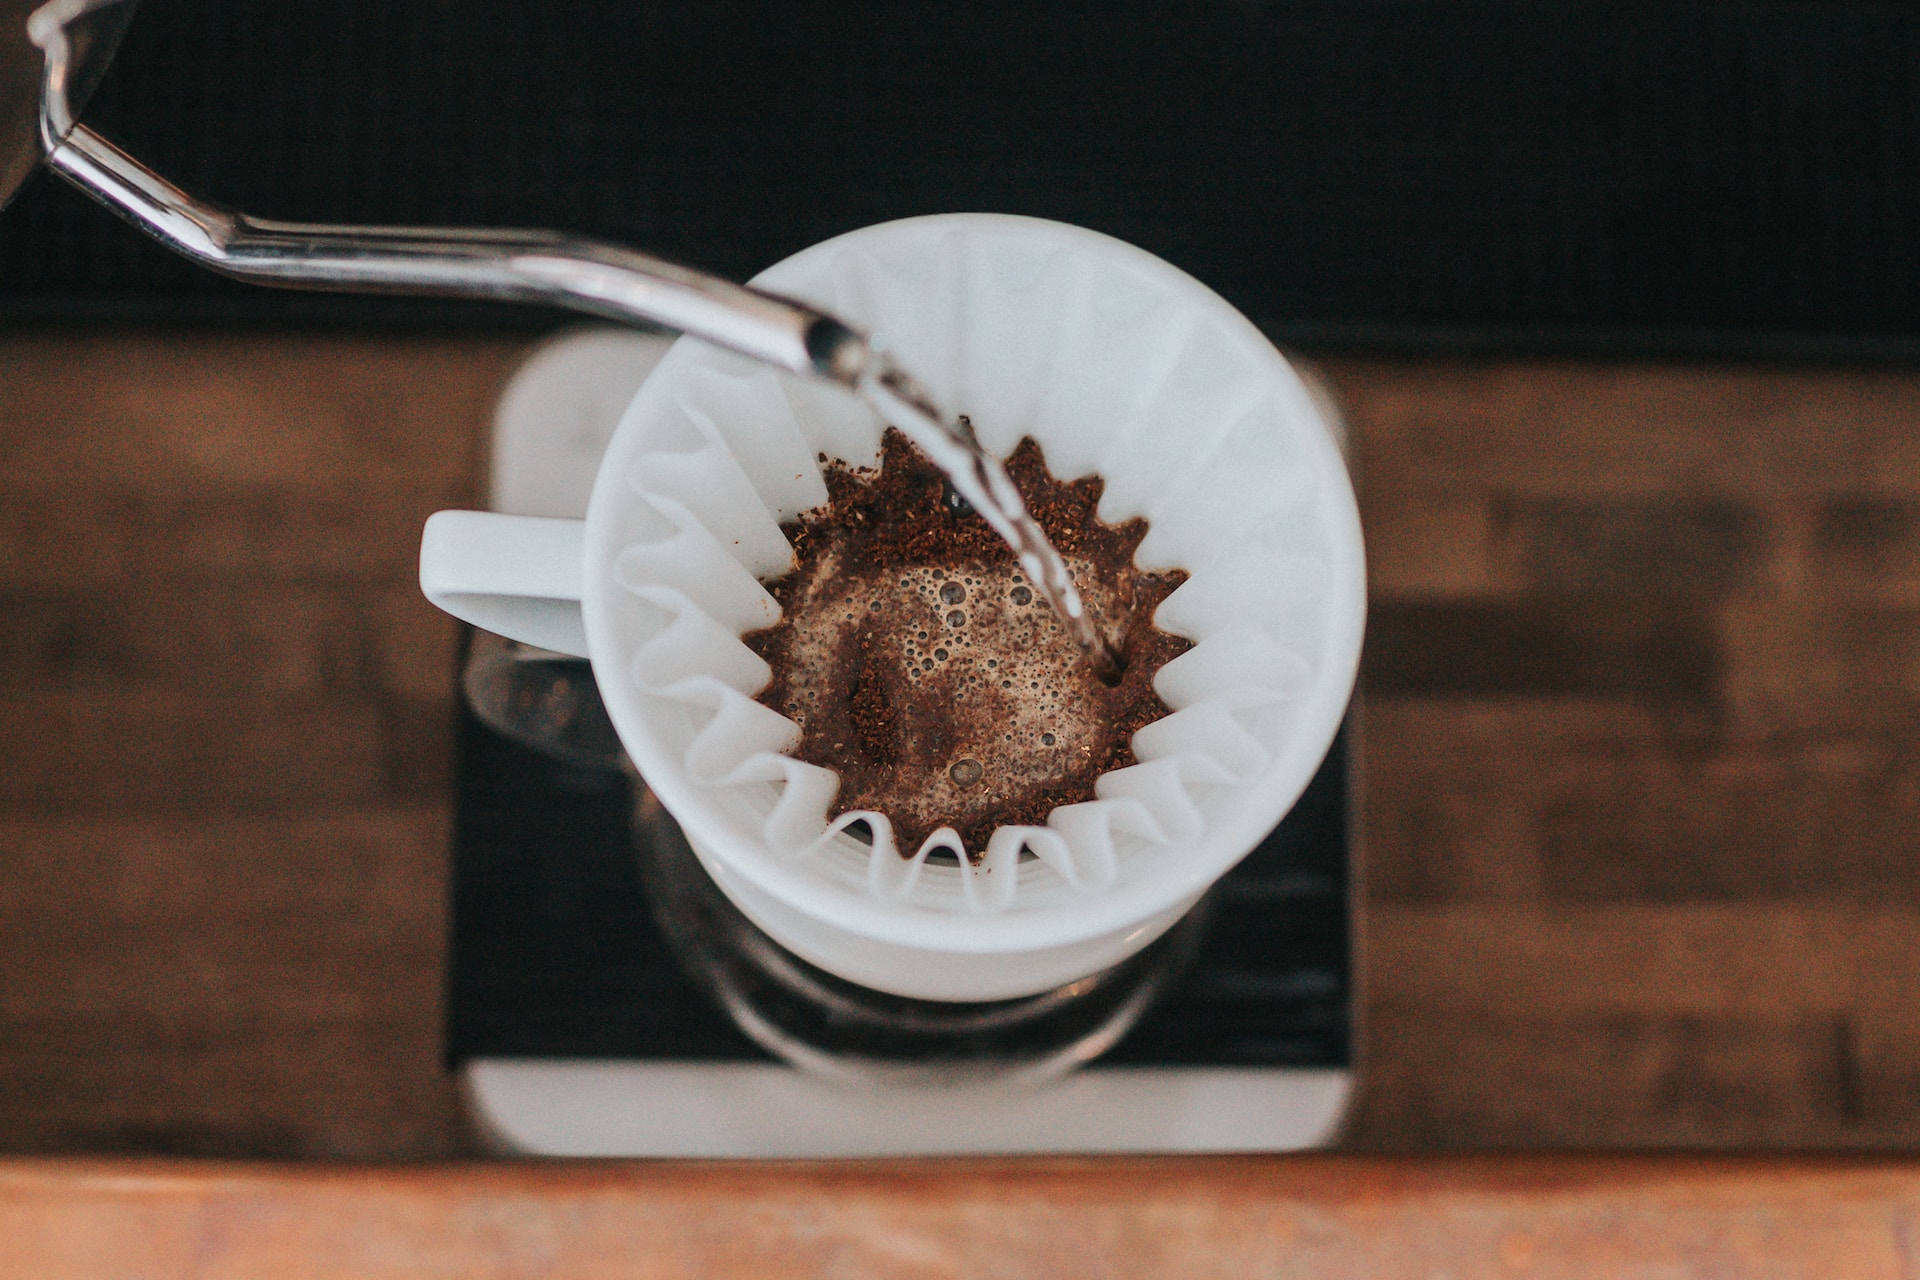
732 1109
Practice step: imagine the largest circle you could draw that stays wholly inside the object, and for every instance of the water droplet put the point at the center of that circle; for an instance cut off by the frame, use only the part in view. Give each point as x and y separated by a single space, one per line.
965 772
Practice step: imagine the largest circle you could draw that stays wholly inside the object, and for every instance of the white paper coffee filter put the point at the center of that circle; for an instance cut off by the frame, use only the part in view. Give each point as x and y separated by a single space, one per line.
1117 364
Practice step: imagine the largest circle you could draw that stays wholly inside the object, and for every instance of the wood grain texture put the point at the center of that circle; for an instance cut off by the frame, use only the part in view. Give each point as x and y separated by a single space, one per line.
224 791
1643 754
1642 748
1321 1217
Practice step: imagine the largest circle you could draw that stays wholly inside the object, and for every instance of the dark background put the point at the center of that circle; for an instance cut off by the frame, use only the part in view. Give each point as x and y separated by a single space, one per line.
1724 178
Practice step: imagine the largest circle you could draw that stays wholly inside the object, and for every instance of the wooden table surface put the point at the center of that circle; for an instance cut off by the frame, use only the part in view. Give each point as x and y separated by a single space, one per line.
1642 702
1322 1218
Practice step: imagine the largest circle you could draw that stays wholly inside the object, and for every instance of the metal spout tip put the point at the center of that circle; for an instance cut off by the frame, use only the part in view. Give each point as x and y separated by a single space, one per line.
837 352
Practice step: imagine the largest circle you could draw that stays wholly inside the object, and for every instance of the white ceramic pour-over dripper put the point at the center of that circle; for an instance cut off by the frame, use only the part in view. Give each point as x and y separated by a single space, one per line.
1119 365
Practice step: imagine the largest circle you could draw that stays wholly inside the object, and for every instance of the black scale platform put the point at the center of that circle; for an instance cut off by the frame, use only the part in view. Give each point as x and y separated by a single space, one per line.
556 956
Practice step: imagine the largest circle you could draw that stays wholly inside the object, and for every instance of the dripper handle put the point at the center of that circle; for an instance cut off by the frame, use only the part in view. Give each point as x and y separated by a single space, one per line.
516 576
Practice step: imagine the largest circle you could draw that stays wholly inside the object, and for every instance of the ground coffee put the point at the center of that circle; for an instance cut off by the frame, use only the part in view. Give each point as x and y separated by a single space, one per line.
924 669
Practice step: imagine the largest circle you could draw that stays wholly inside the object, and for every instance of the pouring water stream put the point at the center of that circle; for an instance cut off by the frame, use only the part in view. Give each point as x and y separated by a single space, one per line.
985 484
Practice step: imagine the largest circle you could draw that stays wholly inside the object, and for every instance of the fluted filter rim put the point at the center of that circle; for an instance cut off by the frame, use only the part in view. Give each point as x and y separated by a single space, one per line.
1118 365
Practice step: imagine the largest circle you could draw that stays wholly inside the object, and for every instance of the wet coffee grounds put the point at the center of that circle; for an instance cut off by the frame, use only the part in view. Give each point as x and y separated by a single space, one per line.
925 670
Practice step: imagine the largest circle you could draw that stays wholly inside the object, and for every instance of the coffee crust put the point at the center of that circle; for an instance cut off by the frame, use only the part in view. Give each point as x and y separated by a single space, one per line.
924 669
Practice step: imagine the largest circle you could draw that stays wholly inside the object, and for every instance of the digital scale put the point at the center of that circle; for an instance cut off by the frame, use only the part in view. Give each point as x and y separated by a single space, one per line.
576 1031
